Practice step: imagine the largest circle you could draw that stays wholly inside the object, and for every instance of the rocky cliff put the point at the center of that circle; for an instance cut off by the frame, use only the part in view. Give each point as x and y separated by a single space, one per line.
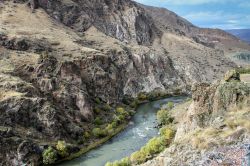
66 57
213 128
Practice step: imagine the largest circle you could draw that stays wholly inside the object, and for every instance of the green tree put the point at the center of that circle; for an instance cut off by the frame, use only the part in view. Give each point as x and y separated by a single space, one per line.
163 117
61 146
49 156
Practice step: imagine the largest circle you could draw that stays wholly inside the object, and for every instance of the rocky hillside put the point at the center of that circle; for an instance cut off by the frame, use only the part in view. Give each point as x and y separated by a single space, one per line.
212 129
65 58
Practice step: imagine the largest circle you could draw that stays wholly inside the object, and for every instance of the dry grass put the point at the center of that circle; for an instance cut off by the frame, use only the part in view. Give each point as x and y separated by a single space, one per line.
4 95
179 111
205 139
239 116
245 78
236 120
17 21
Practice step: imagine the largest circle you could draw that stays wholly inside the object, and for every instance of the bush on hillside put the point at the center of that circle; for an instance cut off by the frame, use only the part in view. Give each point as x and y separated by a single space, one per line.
163 117
167 133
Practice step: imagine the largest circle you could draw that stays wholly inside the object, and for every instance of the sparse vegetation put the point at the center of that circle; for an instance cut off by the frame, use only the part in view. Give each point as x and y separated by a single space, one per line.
235 125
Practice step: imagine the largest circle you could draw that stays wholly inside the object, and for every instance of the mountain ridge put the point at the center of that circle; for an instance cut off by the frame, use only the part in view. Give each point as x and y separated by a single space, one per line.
243 34
66 62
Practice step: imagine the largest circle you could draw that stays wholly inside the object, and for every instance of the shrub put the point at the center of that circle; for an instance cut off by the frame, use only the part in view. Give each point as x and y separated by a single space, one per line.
109 164
170 105
155 145
134 104
138 157
97 132
114 124
97 100
163 117
118 119
98 121
62 148
142 96
121 111
97 110
109 129
123 162
49 156
86 135
107 107
167 133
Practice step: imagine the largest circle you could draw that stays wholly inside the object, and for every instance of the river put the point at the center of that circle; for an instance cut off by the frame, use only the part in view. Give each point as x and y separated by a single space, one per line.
141 129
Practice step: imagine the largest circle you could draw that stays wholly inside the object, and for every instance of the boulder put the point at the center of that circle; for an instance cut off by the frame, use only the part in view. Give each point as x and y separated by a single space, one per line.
232 75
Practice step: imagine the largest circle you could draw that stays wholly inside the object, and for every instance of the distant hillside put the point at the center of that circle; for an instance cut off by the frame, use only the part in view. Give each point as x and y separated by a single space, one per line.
243 34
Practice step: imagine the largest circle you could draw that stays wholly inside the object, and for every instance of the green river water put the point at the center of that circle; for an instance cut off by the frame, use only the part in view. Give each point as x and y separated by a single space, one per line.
141 128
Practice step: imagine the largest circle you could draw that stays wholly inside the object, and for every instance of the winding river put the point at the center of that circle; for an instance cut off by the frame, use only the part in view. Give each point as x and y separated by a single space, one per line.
140 130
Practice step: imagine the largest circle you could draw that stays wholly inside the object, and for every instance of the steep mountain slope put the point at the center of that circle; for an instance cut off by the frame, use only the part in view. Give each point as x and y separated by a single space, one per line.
243 34
67 59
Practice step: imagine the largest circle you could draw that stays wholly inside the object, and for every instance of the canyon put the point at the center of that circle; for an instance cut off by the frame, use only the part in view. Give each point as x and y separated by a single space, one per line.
67 63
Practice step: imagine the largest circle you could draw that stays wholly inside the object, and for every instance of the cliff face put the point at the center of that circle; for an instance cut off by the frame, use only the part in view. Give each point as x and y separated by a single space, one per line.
124 20
57 61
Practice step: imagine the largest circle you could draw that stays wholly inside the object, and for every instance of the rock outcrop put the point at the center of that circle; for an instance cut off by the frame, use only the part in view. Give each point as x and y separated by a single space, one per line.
57 62
214 128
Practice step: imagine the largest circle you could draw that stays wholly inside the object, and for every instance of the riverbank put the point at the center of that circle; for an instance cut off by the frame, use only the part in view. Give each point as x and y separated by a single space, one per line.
143 98
84 150
140 129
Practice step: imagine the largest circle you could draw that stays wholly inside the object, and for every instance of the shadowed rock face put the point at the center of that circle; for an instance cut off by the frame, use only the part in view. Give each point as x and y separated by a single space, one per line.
57 61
